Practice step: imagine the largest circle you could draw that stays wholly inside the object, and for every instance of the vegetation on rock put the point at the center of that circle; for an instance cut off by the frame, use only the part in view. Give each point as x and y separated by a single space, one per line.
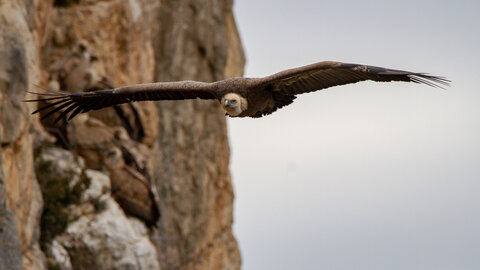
58 194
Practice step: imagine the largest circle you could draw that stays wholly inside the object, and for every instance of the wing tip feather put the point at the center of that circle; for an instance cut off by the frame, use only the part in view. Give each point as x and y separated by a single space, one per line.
430 80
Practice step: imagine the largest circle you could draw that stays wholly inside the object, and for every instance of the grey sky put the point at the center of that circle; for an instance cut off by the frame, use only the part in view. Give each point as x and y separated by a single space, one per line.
370 175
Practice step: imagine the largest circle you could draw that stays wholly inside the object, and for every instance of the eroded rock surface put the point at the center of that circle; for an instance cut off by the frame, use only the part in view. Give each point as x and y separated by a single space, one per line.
109 240
96 233
193 155
19 67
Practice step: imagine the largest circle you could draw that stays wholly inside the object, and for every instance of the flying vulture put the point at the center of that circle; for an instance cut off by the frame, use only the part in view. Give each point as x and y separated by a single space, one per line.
239 97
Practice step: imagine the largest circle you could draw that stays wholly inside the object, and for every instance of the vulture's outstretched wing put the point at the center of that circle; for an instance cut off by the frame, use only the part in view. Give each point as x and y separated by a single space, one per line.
72 104
327 74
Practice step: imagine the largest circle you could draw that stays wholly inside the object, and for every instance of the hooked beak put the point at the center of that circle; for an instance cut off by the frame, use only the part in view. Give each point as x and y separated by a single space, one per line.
226 103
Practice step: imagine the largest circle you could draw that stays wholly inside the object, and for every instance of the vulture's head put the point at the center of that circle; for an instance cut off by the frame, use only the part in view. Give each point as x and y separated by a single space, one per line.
234 104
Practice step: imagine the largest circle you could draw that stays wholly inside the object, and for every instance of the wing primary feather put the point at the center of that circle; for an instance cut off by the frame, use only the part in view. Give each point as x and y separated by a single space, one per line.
50 90
64 113
437 79
56 109
43 99
430 80
87 106
76 111
422 81
50 105
41 94
92 105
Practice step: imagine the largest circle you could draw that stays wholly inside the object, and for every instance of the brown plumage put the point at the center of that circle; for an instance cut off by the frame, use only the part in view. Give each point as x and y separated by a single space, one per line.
240 97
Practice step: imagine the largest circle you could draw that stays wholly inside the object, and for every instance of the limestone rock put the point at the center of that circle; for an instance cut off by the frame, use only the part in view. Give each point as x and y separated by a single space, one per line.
101 236
63 163
99 185
19 69
61 256
10 249
62 180
108 240
195 40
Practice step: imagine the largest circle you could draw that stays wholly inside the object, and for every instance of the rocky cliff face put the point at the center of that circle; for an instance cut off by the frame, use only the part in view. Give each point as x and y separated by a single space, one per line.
130 187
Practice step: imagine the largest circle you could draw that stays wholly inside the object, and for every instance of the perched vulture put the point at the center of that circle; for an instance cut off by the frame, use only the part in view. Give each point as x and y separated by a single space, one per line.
239 97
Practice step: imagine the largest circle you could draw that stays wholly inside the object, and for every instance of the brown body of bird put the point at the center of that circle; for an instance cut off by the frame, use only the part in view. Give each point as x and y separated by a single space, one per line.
240 97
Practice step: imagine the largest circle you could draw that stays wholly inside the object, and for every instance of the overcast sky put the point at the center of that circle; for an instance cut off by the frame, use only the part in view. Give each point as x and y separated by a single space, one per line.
367 176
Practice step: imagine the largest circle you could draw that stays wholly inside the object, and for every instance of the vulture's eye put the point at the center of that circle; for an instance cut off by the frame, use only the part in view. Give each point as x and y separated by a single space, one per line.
233 101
